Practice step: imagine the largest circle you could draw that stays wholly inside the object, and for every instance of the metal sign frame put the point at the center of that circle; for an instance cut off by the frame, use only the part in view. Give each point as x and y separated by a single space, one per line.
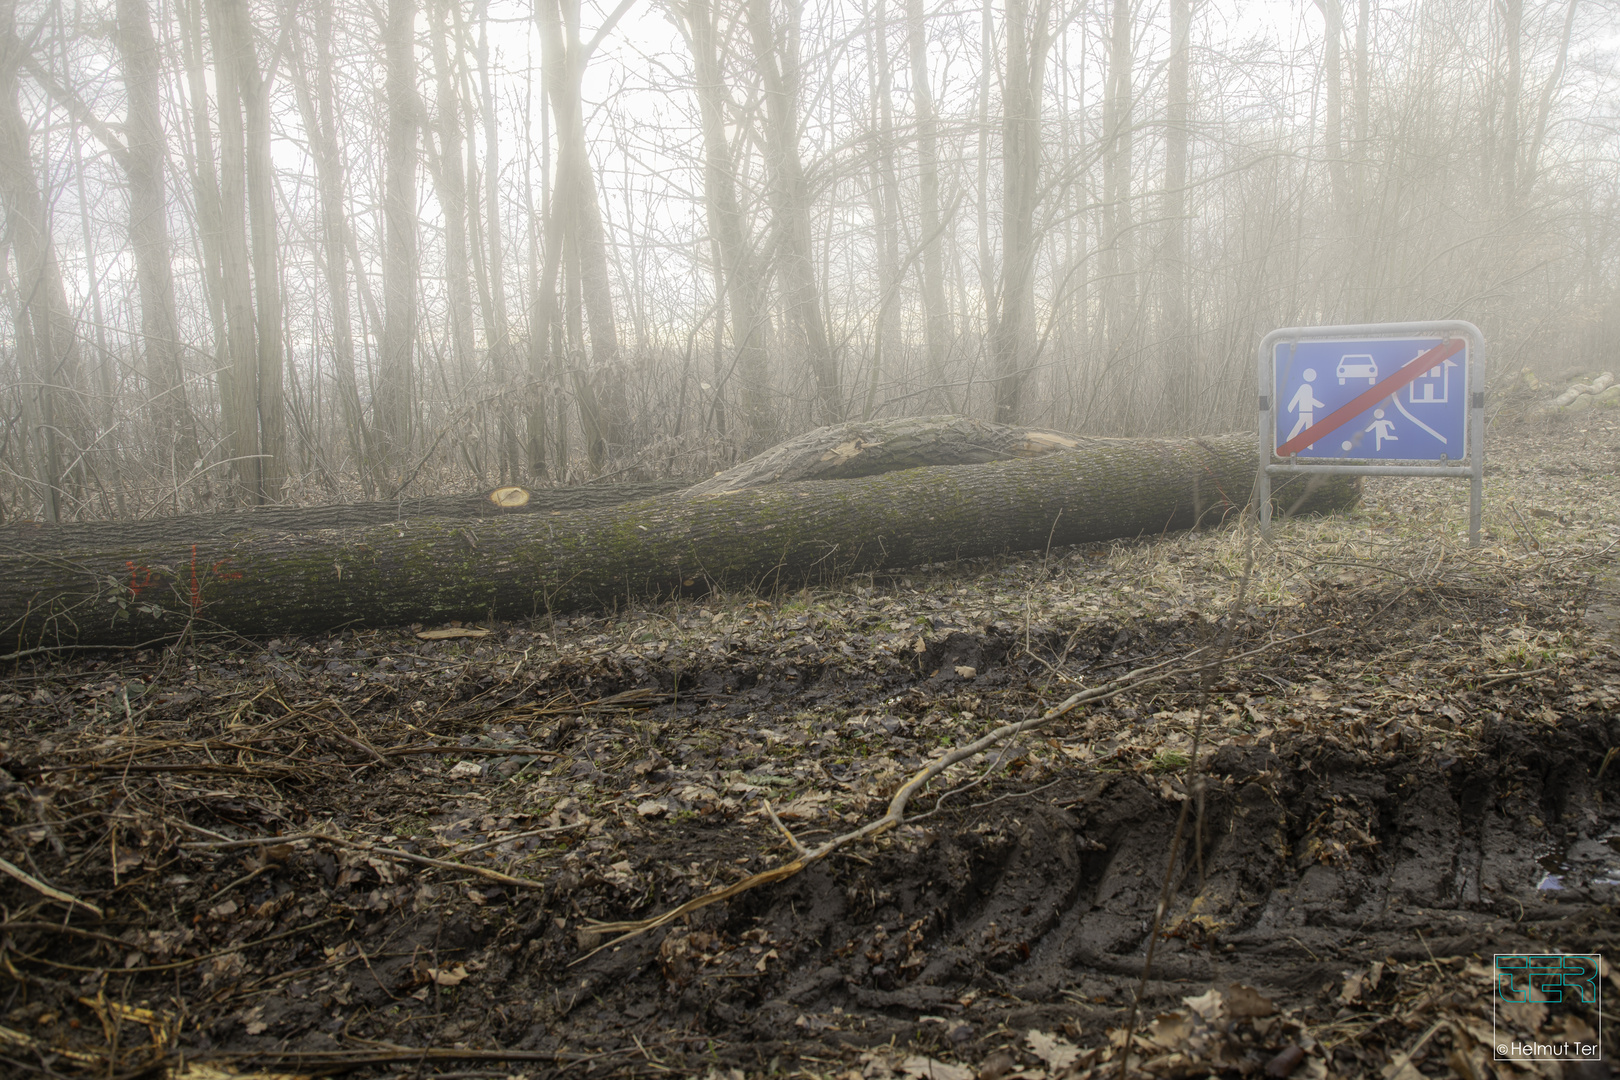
1472 465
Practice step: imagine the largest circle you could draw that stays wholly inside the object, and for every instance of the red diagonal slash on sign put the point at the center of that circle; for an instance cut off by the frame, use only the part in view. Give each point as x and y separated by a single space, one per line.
1341 416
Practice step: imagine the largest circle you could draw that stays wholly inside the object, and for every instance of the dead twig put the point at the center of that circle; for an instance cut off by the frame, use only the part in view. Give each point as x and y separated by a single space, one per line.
11 870
799 848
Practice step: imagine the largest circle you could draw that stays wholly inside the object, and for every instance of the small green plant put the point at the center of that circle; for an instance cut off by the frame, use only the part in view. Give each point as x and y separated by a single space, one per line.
1168 761
414 825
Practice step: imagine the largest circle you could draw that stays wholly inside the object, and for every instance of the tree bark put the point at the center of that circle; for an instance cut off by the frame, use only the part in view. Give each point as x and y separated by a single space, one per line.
269 582
184 529
868 448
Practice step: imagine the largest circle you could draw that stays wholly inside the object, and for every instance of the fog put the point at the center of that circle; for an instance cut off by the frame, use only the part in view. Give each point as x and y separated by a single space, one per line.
308 252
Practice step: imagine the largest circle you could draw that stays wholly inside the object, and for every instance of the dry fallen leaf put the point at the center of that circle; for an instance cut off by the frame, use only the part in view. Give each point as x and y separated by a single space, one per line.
1058 1053
924 1068
193 1070
1245 1002
1170 1030
1207 1004
453 976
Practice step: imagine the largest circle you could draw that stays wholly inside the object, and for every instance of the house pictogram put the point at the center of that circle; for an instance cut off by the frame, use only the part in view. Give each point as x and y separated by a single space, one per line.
1433 387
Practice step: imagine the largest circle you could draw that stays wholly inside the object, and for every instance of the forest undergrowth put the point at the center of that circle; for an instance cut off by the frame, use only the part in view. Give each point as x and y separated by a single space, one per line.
409 852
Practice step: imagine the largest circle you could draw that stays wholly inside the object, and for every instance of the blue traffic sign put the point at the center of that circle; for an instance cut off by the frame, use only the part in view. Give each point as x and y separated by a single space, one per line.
1424 420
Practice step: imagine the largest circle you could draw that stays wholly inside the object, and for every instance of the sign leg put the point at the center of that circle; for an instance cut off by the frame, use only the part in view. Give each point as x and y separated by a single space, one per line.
1477 483
1265 503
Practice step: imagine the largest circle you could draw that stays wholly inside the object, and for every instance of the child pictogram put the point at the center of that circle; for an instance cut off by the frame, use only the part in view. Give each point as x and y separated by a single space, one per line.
1382 429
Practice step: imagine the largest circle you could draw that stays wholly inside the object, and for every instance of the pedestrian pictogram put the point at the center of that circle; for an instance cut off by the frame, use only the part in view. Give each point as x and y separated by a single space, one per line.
1304 403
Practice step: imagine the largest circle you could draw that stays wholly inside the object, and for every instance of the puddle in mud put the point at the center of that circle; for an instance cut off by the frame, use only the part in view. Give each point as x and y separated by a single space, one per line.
1583 864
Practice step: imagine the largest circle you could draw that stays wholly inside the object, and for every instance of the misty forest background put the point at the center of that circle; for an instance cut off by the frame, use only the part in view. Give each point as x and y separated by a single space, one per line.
319 250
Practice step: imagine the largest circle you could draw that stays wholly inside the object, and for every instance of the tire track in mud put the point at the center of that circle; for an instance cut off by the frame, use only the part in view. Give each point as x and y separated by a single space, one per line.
1033 905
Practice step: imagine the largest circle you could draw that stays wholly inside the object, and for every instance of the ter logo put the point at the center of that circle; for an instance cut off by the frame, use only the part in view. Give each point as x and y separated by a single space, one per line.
1547 979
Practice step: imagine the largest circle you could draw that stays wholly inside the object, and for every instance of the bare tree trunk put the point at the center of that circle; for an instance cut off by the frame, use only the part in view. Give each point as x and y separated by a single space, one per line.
1512 16
266 260
737 271
1028 41
936 313
207 198
1119 265
987 277
1358 187
1555 79
451 181
777 60
149 232
541 296
54 416
565 57
395 405
101 413
318 108
1174 329
239 378
1333 95
884 197
497 323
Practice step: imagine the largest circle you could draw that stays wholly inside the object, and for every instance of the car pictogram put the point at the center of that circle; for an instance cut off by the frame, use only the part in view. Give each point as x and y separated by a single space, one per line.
1357 366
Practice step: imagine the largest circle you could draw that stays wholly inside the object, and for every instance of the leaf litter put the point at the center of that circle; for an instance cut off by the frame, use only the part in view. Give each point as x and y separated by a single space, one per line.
394 852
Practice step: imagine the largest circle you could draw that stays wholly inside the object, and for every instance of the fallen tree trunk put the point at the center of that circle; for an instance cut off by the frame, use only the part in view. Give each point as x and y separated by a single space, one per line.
90 535
520 566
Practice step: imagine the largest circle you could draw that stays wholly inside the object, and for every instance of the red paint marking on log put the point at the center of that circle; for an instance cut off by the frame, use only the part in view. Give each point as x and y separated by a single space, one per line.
1341 416
216 571
136 581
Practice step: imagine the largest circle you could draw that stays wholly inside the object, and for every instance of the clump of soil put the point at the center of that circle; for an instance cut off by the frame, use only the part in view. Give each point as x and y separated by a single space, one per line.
391 855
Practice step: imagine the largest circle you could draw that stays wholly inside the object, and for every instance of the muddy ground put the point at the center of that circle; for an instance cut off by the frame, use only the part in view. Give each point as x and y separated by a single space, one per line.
386 855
